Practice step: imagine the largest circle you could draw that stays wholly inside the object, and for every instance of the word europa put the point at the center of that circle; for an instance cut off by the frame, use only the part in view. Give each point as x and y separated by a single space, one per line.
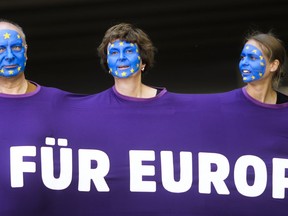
138 170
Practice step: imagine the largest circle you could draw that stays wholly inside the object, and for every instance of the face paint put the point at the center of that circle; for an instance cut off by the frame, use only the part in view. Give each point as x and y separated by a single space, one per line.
252 64
123 58
12 53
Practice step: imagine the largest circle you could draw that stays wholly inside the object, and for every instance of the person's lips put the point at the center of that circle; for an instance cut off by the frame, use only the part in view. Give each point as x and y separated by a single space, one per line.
245 71
123 67
10 66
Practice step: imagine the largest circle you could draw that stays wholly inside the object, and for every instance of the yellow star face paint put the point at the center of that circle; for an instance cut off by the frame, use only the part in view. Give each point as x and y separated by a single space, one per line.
12 53
123 57
252 64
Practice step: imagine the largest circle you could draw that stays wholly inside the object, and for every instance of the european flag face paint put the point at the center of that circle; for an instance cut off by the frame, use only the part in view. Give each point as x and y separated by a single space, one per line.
123 58
12 53
252 64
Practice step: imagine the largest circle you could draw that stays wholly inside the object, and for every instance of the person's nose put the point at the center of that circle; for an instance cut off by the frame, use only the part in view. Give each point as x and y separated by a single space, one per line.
244 61
10 55
122 56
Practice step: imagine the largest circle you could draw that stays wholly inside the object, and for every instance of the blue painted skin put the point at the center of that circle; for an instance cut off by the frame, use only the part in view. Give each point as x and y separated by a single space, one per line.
123 59
12 53
252 64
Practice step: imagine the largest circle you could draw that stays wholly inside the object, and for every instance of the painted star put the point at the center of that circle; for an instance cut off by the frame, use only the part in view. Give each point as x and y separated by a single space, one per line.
253 77
19 68
123 74
121 43
132 70
254 51
1 71
262 64
10 72
6 35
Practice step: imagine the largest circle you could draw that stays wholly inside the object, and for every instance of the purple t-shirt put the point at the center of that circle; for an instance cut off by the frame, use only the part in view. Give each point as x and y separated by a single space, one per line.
26 120
175 154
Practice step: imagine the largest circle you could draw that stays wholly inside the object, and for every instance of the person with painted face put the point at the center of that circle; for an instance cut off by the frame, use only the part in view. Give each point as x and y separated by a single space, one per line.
13 57
28 115
127 52
262 66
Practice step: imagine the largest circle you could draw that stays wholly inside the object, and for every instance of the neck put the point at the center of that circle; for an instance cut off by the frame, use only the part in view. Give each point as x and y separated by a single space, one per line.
133 87
263 93
13 85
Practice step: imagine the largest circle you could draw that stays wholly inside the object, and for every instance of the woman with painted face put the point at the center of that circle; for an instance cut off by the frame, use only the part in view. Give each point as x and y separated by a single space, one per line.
126 52
262 66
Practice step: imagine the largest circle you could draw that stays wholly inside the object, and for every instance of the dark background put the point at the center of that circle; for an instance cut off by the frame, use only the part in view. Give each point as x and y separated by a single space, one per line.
198 42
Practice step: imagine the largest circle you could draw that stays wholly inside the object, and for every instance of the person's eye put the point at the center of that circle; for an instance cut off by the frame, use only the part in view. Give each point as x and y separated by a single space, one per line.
253 57
2 49
242 57
113 52
17 48
129 51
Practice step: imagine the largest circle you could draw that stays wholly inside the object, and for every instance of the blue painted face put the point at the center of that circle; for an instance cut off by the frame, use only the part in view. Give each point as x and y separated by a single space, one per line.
12 53
252 64
123 58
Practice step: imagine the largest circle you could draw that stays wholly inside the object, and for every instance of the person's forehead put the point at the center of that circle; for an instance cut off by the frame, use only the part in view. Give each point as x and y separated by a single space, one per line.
121 43
254 43
8 26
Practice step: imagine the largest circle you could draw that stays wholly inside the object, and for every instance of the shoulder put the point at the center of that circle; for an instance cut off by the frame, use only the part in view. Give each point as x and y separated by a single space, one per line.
281 98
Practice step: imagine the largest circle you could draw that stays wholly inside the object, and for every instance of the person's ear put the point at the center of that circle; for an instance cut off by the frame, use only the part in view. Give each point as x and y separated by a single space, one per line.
26 48
274 65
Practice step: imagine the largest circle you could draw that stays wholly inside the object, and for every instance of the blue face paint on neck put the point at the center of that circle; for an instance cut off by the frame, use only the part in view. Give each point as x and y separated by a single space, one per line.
252 64
123 58
12 53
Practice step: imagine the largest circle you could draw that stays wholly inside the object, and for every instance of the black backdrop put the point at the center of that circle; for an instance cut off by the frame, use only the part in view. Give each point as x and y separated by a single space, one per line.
198 42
